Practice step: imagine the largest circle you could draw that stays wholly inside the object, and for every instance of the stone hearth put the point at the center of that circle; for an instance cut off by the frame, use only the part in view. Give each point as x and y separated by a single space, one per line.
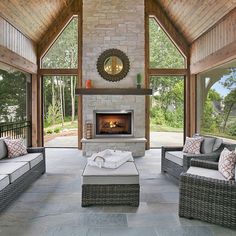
136 145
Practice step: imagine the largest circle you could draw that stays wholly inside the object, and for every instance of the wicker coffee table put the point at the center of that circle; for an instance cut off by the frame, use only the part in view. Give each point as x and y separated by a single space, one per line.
103 186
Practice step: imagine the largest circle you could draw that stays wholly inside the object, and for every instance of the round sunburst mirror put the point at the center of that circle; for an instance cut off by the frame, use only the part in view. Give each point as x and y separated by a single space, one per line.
113 65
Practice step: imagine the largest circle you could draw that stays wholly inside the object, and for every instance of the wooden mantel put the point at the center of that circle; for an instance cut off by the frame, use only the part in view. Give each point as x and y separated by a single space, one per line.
113 91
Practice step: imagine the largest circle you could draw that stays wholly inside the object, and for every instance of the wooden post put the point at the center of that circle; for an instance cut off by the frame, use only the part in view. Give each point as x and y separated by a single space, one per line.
34 111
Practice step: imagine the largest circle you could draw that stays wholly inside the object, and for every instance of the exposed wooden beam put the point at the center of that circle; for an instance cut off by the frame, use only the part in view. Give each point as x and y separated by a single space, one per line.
167 72
11 58
40 111
193 108
187 102
58 72
153 8
147 80
57 27
34 111
217 58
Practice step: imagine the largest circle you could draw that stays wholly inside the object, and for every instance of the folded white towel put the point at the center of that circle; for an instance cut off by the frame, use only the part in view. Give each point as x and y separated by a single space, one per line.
110 158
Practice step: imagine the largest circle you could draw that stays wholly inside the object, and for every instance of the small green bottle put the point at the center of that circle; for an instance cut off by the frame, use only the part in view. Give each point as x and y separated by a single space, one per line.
139 80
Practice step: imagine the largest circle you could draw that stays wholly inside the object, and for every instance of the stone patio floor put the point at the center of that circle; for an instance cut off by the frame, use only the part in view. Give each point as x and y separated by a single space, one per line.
52 205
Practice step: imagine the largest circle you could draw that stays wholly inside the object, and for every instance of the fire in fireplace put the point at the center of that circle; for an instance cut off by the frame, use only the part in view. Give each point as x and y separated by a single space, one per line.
113 123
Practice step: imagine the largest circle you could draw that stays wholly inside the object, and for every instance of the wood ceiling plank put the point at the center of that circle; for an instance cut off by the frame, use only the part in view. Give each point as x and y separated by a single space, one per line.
202 28
193 18
22 23
197 19
206 21
33 17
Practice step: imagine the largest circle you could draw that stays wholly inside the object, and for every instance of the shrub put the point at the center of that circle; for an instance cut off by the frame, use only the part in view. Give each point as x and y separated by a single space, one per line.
57 130
49 131
232 129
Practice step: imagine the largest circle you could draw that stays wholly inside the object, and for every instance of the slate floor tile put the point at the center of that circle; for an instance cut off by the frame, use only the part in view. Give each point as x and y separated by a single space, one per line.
51 206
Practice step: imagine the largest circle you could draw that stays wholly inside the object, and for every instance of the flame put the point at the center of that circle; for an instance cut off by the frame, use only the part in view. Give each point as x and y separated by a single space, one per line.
112 124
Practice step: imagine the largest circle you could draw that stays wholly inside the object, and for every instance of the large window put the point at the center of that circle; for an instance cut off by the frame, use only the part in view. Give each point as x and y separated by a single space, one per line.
15 103
216 102
60 111
14 90
163 53
59 101
167 102
64 51
167 110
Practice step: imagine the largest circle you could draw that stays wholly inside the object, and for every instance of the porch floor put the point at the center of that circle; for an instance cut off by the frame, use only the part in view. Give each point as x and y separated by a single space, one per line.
52 205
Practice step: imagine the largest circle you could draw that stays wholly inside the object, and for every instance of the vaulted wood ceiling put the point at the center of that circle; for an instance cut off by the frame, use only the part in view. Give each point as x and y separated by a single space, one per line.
194 17
32 17
191 17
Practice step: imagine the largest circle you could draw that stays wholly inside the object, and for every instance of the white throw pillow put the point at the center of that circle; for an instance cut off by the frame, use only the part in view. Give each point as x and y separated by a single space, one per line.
15 147
192 145
226 163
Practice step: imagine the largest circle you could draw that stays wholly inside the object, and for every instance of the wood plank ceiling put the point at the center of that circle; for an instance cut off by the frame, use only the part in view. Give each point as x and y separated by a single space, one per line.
194 17
191 17
32 17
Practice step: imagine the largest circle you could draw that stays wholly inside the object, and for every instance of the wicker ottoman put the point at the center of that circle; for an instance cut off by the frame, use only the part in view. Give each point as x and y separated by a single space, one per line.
102 186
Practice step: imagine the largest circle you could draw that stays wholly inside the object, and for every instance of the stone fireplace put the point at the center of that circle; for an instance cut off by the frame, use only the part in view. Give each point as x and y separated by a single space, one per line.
113 123
120 27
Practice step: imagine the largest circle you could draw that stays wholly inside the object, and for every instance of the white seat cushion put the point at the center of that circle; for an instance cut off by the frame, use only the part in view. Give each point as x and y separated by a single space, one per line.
175 156
125 174
209 173
4 181
14 169
32 158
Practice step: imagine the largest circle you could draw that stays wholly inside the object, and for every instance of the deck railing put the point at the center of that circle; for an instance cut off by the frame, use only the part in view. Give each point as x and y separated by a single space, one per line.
17 130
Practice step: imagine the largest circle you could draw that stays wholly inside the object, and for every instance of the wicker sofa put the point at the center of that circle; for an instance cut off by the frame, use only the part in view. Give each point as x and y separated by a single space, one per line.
174 161
206 195
16 174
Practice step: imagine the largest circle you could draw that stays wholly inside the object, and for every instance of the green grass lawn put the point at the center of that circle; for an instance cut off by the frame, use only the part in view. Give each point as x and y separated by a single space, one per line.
221 135
162 128
59 127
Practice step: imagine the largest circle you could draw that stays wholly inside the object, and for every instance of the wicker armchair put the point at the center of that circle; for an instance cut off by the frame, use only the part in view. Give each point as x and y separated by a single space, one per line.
175 168
206 198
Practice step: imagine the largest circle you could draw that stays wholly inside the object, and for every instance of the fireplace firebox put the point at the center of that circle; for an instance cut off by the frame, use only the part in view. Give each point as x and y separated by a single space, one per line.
113 123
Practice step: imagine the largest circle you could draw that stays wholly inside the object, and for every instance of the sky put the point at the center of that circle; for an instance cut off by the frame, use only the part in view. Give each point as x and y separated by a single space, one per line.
220 88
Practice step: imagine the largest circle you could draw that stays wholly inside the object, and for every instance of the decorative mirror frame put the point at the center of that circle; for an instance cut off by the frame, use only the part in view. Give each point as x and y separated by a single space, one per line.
108 53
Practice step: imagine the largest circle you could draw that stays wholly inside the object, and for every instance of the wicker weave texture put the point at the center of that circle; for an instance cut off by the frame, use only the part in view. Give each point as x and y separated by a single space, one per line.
207 199
13 190
174 169
204 164
116 194
169 166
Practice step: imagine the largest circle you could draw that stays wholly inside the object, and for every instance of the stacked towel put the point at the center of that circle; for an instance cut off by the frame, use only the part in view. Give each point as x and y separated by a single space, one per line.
110 158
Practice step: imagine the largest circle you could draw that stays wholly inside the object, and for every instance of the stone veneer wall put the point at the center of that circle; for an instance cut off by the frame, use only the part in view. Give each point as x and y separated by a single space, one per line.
114 24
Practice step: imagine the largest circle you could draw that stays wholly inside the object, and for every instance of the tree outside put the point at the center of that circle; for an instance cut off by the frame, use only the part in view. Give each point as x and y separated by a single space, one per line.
167 102
13 95
60 102
219 107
